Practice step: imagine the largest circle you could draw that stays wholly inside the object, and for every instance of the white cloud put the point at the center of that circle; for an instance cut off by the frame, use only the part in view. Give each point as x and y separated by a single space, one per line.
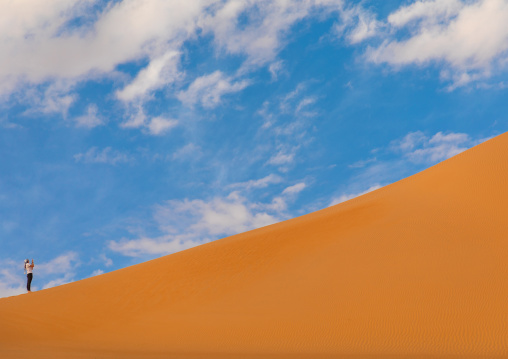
287 119
36 45
63 265
209 89
12 280
190 150
137 117
347 196
275 69
263 26
286 104
304 103
357 24
220 216
108 262
97 272
90 119
295 103
409 141
419 148
39 48
259 183
278 204
57 97
362 163
4 123
160 71
295 189
188 223
281 158
152 246
106 156
159 125
470 38
67 278
434 11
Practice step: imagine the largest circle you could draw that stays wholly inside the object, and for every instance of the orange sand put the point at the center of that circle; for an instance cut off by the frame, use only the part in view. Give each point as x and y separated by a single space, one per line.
418 269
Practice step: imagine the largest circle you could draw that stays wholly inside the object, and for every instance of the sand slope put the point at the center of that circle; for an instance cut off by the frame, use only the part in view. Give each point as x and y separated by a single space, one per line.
417 269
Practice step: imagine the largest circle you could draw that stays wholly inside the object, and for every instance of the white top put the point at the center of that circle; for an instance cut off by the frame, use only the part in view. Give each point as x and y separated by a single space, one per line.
28 268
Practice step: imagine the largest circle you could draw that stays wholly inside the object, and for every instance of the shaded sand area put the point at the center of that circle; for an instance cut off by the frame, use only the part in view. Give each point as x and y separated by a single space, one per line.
417 269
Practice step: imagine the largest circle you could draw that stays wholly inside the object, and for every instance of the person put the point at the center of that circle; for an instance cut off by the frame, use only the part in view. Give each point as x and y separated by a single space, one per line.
29 269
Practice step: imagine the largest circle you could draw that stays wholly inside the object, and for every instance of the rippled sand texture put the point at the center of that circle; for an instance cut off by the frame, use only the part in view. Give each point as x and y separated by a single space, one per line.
417 269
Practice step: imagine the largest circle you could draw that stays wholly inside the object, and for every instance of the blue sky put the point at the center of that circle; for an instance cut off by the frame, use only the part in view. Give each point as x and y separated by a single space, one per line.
133 129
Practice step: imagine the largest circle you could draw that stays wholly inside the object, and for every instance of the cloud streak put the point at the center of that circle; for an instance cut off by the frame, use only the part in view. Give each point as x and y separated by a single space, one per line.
104 156
347 196
208 90
420 148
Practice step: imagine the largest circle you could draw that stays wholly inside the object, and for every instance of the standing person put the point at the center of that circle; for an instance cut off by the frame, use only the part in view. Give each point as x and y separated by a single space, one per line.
29 269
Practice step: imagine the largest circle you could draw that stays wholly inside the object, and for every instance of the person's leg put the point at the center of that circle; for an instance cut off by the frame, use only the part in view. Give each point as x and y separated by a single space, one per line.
29 277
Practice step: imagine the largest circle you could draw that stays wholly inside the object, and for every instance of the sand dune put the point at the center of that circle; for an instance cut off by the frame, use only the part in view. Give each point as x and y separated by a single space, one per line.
416 269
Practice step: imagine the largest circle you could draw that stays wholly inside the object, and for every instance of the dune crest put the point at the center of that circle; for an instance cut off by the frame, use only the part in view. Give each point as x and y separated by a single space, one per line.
416 269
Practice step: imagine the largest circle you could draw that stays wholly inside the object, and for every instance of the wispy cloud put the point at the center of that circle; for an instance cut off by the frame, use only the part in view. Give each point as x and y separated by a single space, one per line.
347 196
156 126
259 183
263 27
160 125
152 246
428 11
305 102
188 151
90 119
97 272
294 189
288 119
419 148
208 90
108 262
162 70
12 280
4 123
106 156
62 266
362 163
282 158
276 69
54 98
357 23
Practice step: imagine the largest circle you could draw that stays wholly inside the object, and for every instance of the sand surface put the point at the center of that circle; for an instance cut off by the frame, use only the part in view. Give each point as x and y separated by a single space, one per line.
417 269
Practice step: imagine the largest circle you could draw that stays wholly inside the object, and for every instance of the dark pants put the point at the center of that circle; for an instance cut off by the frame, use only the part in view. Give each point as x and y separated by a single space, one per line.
29 277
